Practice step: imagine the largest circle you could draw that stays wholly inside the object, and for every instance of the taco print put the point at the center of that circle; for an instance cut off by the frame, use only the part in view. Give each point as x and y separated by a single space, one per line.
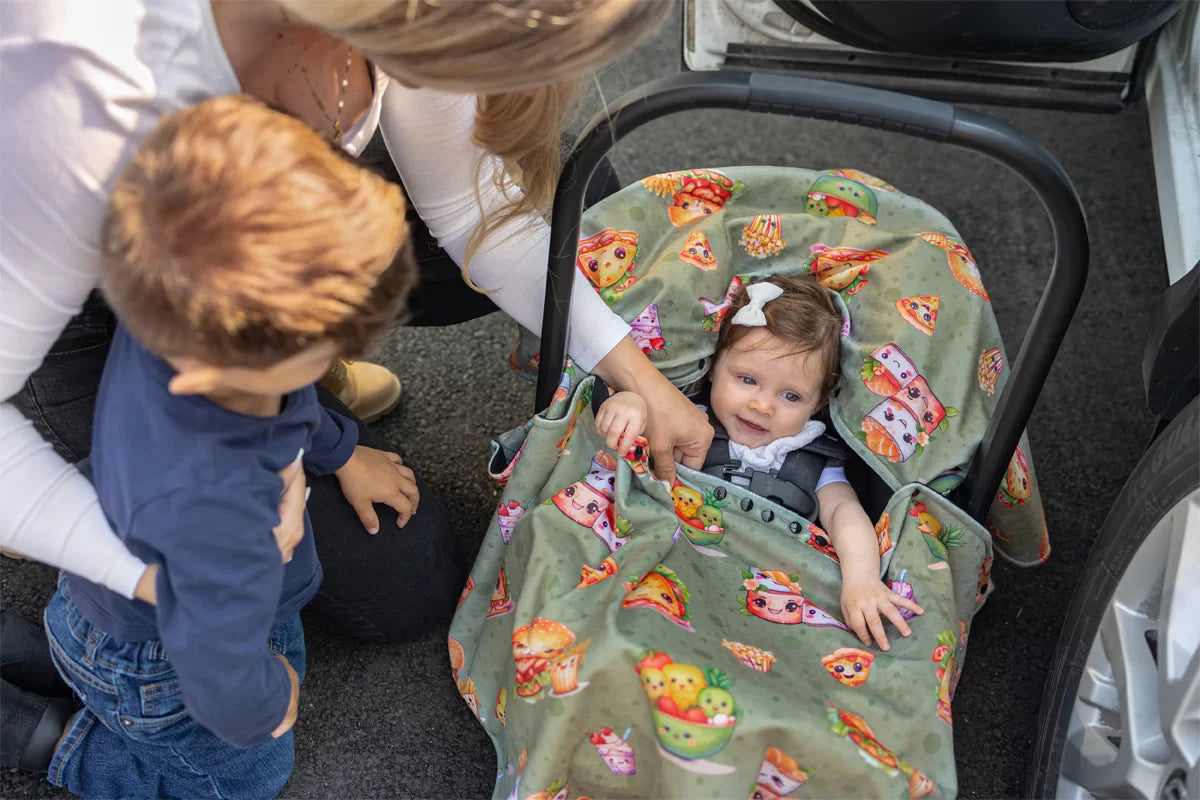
962 263
662 590
843 269
836 196
1017 487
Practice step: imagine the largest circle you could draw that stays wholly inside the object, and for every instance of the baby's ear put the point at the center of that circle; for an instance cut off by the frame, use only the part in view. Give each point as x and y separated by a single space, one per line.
194 377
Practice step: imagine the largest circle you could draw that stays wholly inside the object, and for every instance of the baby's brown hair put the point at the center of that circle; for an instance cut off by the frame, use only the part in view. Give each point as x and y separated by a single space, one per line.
803 318
237 235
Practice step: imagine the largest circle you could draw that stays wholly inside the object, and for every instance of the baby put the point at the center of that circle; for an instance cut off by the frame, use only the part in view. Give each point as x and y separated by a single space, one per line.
776 364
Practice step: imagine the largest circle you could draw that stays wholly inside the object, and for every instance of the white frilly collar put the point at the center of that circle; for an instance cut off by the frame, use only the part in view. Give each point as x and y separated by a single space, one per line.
771 455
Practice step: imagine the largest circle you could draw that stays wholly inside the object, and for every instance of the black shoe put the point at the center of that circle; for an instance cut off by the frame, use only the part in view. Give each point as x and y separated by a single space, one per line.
25 658
30 727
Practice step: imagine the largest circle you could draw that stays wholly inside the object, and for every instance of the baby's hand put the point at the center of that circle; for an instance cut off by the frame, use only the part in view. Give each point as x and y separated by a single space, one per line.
864 600
622 419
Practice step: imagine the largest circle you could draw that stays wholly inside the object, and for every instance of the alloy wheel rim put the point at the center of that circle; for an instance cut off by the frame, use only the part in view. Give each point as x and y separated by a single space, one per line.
1134 729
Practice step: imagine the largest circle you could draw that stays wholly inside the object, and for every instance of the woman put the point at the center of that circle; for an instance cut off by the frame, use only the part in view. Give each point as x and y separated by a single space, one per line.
83 83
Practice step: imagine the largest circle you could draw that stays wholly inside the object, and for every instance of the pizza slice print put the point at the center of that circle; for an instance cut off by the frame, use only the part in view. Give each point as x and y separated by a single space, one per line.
697 252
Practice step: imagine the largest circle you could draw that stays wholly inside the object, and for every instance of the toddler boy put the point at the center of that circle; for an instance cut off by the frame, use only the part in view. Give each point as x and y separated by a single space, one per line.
243 254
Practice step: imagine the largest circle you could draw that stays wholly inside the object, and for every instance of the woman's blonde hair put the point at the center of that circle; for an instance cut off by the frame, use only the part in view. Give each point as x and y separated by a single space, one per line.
494 49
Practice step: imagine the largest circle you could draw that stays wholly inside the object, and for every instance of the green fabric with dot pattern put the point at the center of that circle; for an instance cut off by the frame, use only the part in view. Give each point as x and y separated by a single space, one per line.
611 647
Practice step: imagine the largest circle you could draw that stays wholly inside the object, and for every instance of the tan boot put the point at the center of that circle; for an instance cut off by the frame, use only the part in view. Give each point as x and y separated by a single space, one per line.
369 390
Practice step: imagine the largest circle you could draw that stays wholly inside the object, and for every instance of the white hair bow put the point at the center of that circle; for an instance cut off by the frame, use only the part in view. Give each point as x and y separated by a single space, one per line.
751 314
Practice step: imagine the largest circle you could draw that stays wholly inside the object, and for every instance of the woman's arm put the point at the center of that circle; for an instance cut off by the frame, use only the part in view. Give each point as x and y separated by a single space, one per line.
57 161
52 514
428 135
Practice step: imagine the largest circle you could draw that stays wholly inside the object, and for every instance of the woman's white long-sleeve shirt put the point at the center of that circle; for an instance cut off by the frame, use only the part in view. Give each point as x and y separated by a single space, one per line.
81 84
428 134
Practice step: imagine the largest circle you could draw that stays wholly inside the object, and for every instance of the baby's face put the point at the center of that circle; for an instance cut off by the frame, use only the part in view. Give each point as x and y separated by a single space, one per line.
761 391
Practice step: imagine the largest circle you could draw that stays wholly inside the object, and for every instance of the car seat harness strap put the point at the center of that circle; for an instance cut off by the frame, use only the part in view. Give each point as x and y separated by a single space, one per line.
792 486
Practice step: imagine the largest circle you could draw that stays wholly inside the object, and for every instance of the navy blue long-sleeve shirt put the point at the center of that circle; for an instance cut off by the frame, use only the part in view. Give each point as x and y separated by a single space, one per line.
195 488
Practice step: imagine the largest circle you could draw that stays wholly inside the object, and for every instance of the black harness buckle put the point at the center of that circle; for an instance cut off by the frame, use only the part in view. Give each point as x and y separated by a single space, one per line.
772 487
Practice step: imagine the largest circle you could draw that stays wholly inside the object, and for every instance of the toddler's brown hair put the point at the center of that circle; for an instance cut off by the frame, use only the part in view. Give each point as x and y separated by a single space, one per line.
239 236
803 317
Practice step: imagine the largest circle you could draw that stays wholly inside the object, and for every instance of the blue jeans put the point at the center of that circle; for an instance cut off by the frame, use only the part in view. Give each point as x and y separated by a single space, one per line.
134 738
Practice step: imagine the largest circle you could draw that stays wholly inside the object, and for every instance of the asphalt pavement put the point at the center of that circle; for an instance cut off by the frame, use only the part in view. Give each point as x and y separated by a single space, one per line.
386 721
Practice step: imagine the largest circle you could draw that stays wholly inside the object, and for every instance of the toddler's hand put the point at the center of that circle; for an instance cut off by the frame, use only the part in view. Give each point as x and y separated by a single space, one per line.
290 529
621 419
375 476
293 709
864 600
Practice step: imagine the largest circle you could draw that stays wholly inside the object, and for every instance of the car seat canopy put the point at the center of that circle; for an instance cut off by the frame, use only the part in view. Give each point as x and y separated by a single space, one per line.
922 357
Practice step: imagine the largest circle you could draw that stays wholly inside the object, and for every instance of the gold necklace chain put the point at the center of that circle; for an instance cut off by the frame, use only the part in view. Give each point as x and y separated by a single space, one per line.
336 120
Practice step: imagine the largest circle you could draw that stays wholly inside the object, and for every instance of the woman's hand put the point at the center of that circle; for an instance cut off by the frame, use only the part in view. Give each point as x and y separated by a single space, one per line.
288 532
675 428
376 476
676 431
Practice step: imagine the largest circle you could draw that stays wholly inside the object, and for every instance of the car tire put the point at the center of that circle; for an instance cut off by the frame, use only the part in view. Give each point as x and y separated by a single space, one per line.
1155 502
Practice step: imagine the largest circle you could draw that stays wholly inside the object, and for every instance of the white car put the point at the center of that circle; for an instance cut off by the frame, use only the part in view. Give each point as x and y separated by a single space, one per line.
1121 713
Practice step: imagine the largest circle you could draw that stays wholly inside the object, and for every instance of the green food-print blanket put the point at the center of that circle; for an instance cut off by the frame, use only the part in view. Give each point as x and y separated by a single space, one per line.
922 358
619 637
